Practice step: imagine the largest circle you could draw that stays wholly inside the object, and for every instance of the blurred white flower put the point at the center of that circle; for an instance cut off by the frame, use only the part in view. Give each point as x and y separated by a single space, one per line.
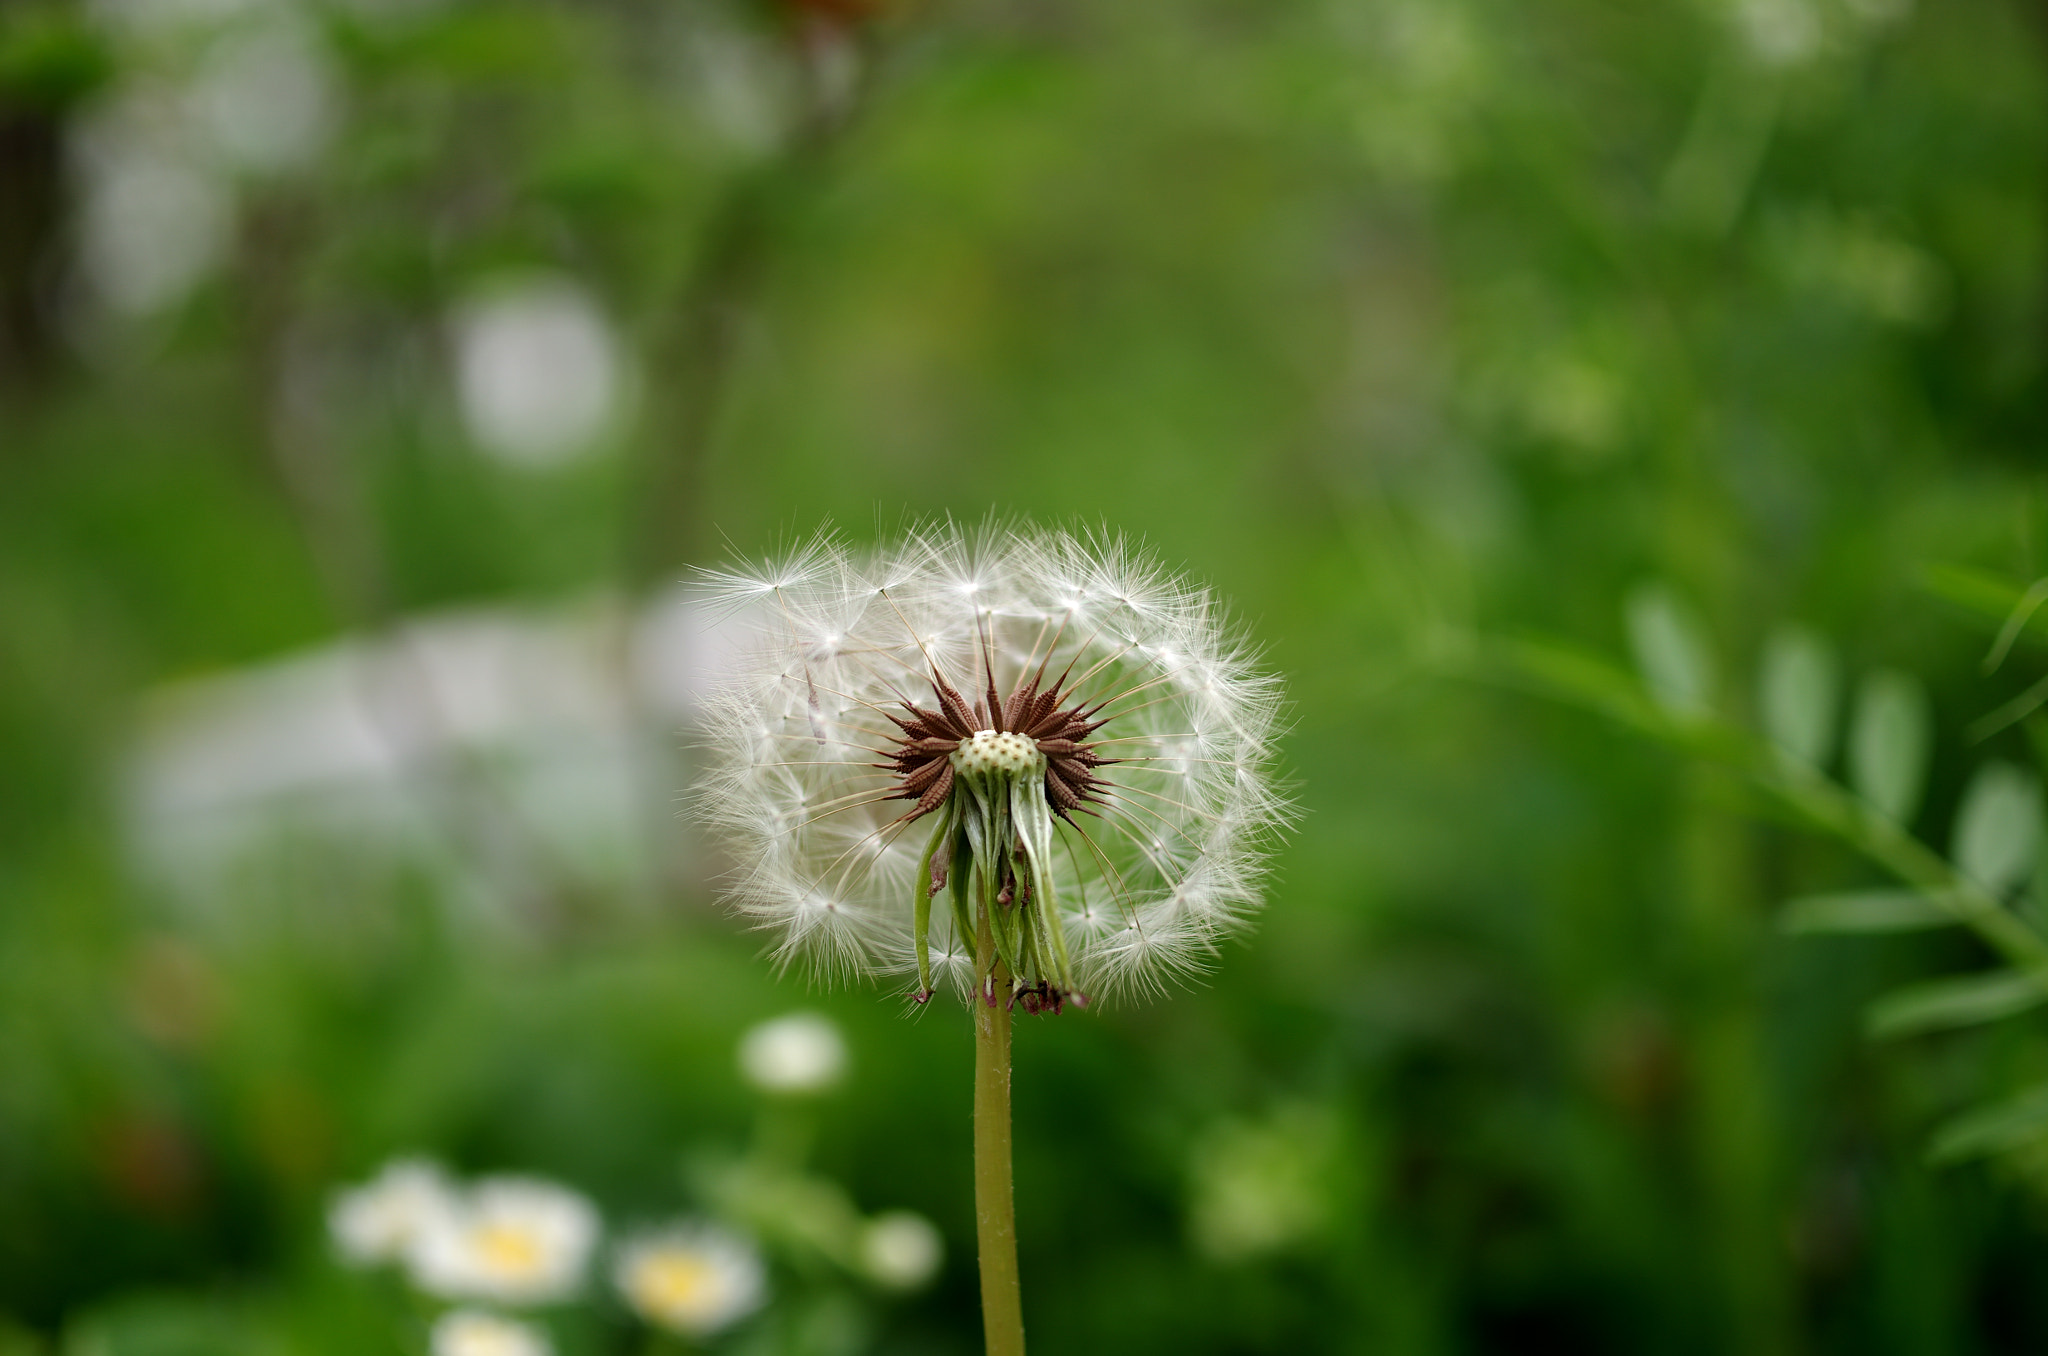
1780 32
1105 815
265 96
156 219
802 1052
691 1278
901 1249
328 750
380 1220
538 371
741 83
153 18
516 1240
392 11
471 1332
1881 13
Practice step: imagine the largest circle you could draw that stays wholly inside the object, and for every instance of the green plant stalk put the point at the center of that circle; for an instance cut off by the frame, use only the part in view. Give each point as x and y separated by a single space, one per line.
1592 683
995 1208
1734 1138
1834 809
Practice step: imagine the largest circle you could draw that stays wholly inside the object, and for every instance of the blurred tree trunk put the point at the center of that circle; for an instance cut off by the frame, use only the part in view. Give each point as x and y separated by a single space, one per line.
698 351
31 220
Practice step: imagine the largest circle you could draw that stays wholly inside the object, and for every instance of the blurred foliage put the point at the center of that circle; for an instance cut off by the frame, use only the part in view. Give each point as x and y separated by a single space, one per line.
1404 322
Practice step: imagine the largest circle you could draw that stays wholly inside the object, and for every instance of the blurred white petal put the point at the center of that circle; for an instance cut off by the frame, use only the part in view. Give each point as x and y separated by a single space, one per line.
538 372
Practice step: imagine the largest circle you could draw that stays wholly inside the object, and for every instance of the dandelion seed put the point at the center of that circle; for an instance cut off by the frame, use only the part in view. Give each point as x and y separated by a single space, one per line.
691 1278
1050 732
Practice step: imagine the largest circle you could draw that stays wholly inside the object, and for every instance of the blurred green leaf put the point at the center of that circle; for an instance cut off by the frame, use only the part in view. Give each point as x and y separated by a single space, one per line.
1668 650
49 59
1992 1128
1264 1187
1584 679
2023 611
161 1325
1799 692
1888 743
1998 826
2018 709
2033 903
1864 911
1944 1003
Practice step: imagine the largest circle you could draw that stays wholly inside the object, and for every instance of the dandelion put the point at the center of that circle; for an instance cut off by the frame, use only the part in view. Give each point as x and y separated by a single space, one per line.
381 1220
515 1240
1056 734
472 1332
800 1053
900 1249
691 1278
1064 740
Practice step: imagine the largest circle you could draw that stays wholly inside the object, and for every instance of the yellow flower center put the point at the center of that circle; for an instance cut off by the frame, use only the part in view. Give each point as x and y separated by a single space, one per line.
508 1248
670 1283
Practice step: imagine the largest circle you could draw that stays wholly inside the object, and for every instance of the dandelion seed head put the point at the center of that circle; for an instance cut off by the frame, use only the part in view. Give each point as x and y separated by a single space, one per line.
1089 724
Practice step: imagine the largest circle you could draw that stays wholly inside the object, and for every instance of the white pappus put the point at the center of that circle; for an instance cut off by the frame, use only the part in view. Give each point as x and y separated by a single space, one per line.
1044 746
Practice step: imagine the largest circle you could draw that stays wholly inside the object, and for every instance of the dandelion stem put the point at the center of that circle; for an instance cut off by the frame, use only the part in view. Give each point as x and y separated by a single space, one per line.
995 1210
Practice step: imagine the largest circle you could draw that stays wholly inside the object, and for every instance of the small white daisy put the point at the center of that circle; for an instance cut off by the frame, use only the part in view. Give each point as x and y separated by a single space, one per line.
692 1278
472 1332
800 1053
516 1240
380 1220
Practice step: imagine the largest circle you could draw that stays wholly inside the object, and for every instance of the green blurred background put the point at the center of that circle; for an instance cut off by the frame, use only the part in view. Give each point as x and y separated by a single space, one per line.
372 373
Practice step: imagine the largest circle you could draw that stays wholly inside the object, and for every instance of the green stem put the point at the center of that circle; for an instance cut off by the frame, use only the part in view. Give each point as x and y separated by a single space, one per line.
1596 685
783 1130
995 1208
1912 861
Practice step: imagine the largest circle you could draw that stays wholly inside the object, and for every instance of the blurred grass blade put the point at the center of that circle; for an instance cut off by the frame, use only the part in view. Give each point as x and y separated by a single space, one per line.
1995 598
2022 612
2011 713
1993 1128
2033 904
1668 650
1864 911
1888 743
1998 826
1799 690
1945 1003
